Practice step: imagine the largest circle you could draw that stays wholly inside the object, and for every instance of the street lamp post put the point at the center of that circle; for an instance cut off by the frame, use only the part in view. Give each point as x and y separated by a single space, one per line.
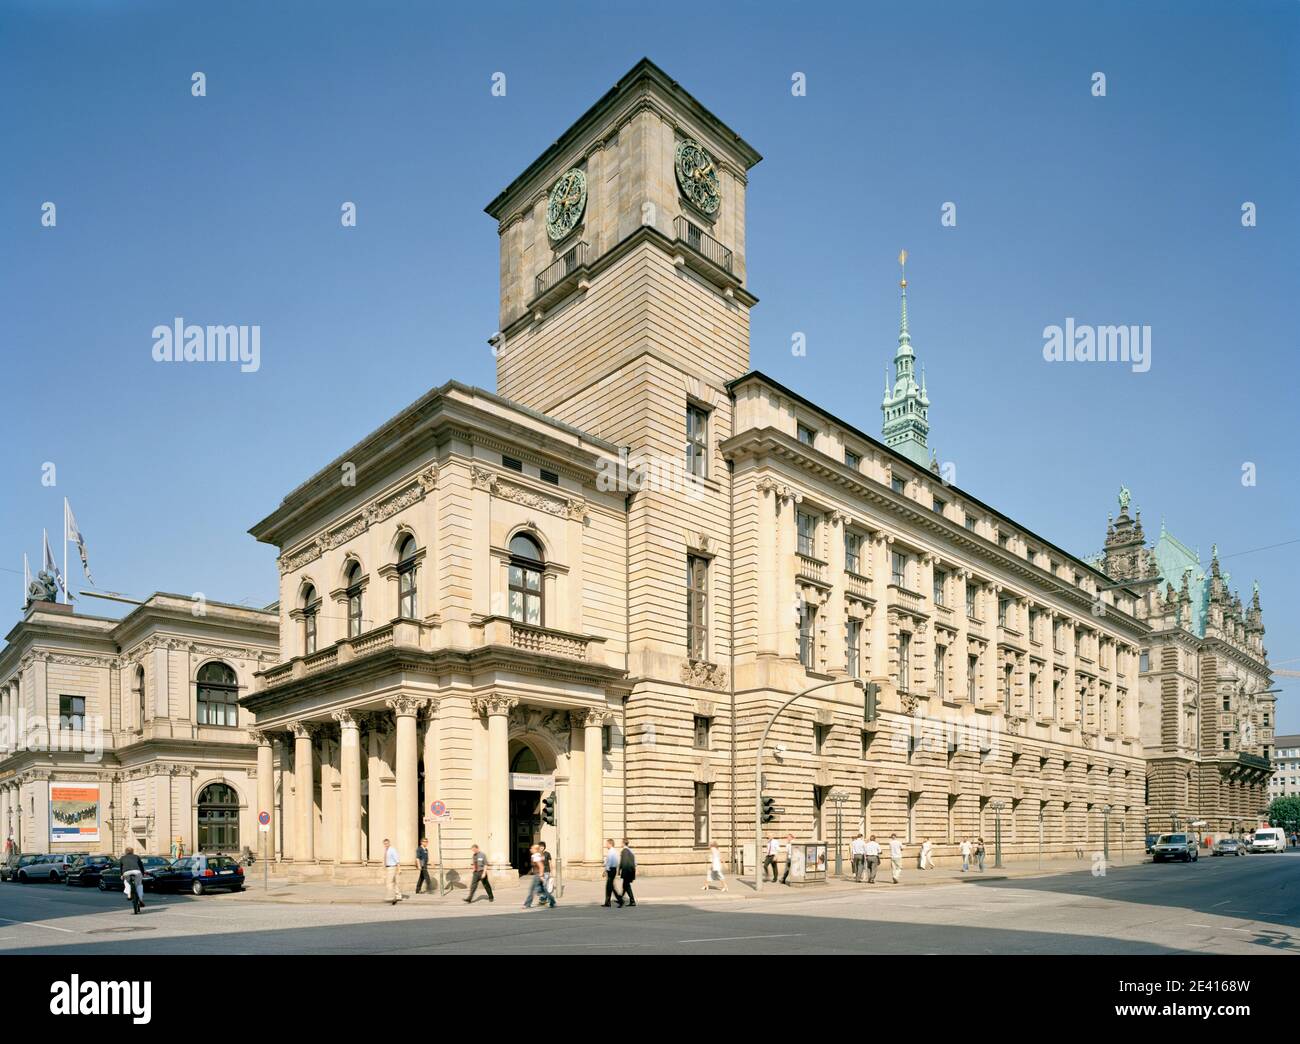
1040 837
758 770
997 807
1105 833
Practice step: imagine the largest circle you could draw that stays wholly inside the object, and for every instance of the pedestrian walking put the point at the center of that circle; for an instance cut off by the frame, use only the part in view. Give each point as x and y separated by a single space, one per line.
627 872
789 858
979 853
611 872
479 875
536 882
858 852
769 860
927 857
422 857
895 858
965 854
548 879
871 854
715 870
391 866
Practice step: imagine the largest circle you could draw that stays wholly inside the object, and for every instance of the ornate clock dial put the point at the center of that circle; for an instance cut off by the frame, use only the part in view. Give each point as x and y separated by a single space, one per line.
568 201
697 175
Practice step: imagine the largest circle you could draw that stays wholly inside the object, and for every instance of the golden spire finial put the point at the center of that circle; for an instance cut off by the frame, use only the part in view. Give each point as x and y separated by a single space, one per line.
902 263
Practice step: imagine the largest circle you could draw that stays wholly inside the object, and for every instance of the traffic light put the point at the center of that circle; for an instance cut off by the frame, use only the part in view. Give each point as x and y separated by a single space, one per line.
870 694
548 809
769 809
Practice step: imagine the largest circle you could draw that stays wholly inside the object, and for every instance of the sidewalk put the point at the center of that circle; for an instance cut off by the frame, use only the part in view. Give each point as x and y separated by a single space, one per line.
663 889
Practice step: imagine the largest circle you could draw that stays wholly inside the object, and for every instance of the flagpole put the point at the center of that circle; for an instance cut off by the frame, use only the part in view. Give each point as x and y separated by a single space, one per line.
66 593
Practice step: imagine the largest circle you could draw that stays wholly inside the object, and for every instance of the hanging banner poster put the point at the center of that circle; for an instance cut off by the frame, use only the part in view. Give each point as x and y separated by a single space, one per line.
74 812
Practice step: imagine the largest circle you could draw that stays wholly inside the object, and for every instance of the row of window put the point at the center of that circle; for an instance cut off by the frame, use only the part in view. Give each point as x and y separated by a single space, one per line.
216 699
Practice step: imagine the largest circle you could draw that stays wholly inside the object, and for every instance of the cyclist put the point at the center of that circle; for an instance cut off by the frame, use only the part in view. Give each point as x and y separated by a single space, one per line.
133 876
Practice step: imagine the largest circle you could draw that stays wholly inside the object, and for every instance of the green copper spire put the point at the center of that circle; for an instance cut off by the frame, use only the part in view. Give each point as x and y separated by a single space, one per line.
906 405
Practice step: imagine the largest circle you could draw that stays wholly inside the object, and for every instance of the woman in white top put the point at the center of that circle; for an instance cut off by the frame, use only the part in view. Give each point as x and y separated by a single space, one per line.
927 860
715 870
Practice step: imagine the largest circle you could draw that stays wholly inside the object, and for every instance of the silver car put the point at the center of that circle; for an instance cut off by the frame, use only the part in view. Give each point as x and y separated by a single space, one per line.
1174 846
49 868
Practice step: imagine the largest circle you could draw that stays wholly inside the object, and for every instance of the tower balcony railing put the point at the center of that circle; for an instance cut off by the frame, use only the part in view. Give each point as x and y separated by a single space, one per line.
702 243
558 279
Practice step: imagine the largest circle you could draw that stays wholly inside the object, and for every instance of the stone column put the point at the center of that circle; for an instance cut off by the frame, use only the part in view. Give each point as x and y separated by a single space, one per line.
265 793
376 736
768 581
405 709
497 709
304 849
593 724
286 822
350 770
4 813
837 650
787 630
432 756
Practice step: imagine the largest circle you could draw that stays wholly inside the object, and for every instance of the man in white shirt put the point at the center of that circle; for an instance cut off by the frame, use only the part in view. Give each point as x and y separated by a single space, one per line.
965 854
895 858
391 865
773 850
871 853
858 851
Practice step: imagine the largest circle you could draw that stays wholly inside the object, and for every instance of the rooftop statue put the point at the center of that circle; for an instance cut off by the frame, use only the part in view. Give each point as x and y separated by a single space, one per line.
42 589
1124 497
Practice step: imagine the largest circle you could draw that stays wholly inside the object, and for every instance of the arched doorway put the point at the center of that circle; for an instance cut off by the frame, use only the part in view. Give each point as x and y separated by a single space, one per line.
529 765
218 810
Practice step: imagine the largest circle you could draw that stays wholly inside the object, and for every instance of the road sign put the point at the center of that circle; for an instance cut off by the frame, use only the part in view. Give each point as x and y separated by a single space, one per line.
438 809
264 822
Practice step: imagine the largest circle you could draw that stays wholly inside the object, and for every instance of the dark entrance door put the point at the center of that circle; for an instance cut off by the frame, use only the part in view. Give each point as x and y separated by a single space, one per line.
525 826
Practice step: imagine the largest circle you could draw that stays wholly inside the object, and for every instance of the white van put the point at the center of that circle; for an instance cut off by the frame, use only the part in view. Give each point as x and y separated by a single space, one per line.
1268 839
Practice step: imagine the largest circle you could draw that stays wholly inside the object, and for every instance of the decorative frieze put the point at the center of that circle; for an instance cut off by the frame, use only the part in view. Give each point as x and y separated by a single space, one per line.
704 675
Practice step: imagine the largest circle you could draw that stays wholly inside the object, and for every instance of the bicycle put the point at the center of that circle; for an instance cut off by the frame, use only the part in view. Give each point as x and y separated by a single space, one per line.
134 880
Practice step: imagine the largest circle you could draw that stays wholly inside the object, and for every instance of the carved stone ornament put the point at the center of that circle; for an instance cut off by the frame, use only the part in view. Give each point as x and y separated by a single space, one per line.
910 701
405 706
704 675
490 705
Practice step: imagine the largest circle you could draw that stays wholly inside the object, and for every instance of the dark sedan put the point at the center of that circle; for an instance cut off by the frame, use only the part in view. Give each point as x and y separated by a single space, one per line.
199 874
110 880
86 870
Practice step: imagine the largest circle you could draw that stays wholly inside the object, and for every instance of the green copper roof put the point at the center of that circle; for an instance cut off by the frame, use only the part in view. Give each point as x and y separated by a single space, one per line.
906 406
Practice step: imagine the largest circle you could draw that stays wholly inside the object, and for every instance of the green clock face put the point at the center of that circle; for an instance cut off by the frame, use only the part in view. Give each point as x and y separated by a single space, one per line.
568 201
698 176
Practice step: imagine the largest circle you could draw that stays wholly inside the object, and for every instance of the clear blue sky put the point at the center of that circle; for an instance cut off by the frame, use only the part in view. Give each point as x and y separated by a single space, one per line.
225 209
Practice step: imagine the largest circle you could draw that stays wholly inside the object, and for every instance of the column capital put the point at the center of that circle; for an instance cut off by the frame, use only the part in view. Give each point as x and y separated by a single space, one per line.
405 706
494 705
304 729
260 736
347 719
591 717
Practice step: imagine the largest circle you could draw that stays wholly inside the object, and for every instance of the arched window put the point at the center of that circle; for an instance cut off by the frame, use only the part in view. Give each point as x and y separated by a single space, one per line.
525 581
352 581
310 609
140 696
525 760
218 695
406 578
218 809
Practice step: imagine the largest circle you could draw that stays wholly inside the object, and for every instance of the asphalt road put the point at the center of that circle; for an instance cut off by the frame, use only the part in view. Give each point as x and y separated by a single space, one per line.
1221 906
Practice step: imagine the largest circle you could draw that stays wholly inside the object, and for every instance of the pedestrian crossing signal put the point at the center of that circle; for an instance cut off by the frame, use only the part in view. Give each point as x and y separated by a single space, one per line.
769 809
548 809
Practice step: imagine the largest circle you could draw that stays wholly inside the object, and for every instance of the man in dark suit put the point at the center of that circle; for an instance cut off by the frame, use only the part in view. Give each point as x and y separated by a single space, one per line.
627 871
422 856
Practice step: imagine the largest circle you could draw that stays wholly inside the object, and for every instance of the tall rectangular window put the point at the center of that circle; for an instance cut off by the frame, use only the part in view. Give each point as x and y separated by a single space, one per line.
940 584
1033 694
1008 673
701 732
701 815
970 601
898 484
853 552
72 712
972 677
940 677
852 460
904 661
853 642
697 441
807 534
898 569
697 607
806 435
807 636
1004 605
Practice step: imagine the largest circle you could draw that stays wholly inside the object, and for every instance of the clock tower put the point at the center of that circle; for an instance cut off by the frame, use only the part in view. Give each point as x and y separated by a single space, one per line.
623 261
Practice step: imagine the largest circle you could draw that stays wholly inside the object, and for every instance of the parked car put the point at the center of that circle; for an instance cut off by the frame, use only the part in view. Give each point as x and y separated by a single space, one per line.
1268 839
201 873
1174 846
1226 846
110 880
10 870
86 870
49 867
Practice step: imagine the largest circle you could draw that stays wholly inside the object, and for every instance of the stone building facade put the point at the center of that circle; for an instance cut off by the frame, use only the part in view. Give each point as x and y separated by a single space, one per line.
1286 767
1208 710
129 732
603 580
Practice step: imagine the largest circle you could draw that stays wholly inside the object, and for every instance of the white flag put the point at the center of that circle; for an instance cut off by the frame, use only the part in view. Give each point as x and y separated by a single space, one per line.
71 532
51 567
